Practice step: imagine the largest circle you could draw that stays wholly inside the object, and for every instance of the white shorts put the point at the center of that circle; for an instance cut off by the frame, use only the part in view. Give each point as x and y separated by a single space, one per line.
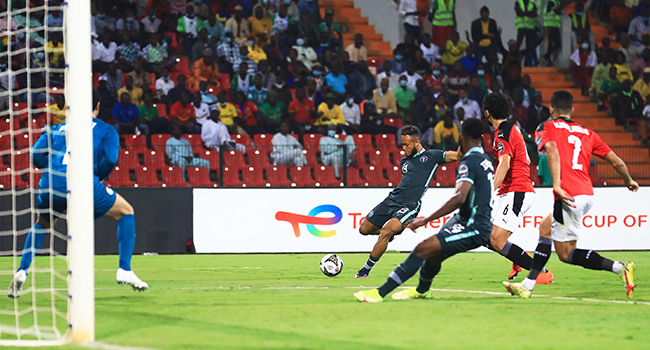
508 209
567 221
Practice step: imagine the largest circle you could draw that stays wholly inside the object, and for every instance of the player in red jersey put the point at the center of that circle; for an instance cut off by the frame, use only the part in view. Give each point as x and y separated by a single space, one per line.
569 147
515 192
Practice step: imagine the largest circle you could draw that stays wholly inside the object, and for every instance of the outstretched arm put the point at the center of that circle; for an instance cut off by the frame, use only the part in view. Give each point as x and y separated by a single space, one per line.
459 197
619 165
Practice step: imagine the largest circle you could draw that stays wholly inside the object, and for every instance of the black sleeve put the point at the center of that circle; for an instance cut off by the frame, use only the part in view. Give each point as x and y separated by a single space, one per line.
477 32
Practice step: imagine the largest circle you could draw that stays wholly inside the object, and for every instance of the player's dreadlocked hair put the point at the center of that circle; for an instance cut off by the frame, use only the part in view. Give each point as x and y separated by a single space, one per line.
411 130
497 104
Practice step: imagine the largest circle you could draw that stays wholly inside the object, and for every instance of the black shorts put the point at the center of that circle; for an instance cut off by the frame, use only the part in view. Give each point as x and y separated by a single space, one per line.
389 209
456 238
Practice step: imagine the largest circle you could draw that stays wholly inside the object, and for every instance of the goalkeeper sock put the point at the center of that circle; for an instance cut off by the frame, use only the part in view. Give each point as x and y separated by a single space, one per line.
28 250
427 273
126 240
402 273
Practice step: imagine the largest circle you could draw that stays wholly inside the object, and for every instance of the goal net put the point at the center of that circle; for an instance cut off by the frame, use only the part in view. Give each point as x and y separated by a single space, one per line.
35 86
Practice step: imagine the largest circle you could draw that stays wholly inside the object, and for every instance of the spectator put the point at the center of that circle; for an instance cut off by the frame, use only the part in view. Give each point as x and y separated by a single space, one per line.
257 93
150 23
642 63
443 19
104 53
255 47
329 112
446 133
281 89
238 26
149 115
336 80
188 27
601 72
609 89
519 112
398 63
456 79
134 92
485 34
206 94
269 79
201 9
387 73
622 69
526 92
182 114
307 29
628 104
356 50
104 24
512 66
526 23
228 51
334 152
54 51
54 19
384 99
155 55
470 108
302 112
407 47
243 57
331 28
284 28
205 69
430 52
202 44
272 112
351 113
201 109
57 110
180 152
215 30
106 99
630 51
140 77
552 29
126 117
537 113
475 91
404 97
424 114
433 82
580 28
408 9
621 16
642 86
260 23
228 111
643 124
310 7
306 54
163 85
411 76
484 78
639 25
286 148
454 49
470 61
583 62
242 81
422 66
128 24
248 110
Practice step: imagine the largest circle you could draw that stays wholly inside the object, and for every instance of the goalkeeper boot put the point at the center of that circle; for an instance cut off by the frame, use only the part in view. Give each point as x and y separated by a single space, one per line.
516 269
517 289
16 286
130 278
412 293
545 277
369 296
628 277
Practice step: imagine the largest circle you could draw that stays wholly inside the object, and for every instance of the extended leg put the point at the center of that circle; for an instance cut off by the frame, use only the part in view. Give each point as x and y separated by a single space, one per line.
386 234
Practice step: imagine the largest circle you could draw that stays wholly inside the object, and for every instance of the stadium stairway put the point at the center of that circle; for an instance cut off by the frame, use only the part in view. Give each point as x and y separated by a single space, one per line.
548 80
349 17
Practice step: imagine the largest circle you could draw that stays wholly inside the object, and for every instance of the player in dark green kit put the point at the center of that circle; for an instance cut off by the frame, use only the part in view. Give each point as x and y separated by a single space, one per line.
470 228
402 205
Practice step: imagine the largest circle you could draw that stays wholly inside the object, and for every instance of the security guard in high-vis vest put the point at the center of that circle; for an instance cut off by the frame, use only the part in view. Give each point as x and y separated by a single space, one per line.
443 20
552 21
526 23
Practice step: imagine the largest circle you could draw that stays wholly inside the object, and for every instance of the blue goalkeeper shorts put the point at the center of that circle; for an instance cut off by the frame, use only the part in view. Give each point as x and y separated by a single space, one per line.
104 199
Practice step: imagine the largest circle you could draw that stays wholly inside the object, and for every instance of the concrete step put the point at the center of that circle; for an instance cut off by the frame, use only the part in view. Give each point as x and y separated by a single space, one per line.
552 84
335 3
577 95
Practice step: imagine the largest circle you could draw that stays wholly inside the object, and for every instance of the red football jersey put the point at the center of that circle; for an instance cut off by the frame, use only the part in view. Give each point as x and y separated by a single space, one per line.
575 145
508 140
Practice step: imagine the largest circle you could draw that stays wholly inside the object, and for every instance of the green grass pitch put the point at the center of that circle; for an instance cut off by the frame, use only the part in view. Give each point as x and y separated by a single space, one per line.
285 302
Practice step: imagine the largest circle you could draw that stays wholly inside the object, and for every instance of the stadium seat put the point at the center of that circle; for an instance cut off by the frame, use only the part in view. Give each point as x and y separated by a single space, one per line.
311 156
33 178
5 140
5 182
162 109
487 143
445 175
380 159
363 143
396 122
172 177
253 177
158 141
182 65
324 176
21 161
312 141
242 139
154 159
374 176
174 45
96 80
263 142
258 159
394 175
397 154
146 177
213 157
5 124
120 178
231 177
276 176
128 159
195 142
199 177
354 179
301 177
385 141
233 159
23 141
152 77
535 179
38 124
135 143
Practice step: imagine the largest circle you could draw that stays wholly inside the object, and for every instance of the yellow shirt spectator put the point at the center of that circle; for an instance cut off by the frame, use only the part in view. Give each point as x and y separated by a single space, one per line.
385 103
57 114
440 132
228 113
54 51
261 25
642 88
623 73
453 52
136 95
256 53
334 115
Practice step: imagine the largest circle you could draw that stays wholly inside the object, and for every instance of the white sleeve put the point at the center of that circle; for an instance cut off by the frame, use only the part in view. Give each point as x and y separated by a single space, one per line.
593 60
575 57
402 8
646 111
208 135
357 115
223 134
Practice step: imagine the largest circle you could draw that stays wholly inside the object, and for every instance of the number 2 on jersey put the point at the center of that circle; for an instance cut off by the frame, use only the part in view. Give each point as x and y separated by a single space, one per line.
577 145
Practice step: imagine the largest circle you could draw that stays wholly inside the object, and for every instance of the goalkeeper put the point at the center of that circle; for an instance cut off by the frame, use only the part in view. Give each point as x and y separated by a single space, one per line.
52 195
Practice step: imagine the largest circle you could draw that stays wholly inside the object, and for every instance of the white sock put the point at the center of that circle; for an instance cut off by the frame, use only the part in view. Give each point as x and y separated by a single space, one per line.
528 283
617 268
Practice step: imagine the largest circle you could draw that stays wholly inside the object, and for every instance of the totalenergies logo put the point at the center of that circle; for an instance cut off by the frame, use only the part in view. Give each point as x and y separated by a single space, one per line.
311 220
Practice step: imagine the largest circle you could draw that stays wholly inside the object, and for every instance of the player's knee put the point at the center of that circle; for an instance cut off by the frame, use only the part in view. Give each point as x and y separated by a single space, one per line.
386 234
563 256
127 209
497 242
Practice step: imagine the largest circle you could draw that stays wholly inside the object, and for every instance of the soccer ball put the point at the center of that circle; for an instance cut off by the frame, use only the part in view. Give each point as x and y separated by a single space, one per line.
331 265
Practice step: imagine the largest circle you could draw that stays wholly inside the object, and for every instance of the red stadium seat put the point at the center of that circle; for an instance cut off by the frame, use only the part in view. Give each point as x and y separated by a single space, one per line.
312 141
162 109
363 143
397 154
137 143
311 156
396 122
152 77
354 179
535 178
445 175
385 141
195 142
182 65
324 176
38 124
253 177
394 174
154 159
373 176
120 178
146 177
242 139
21 161
5 182
173 177
158 141
199 177
301 177
23 141
33 178
380 159
263 142
174 44
128 159
487 143
258 159
5 140
213 157
233 159
276 176
231 177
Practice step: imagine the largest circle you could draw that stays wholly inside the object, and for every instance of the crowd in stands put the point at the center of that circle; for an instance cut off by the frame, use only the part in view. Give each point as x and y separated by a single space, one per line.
219 68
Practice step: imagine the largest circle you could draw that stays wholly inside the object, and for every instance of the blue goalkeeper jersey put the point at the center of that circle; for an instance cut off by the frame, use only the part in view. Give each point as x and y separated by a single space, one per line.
53 144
